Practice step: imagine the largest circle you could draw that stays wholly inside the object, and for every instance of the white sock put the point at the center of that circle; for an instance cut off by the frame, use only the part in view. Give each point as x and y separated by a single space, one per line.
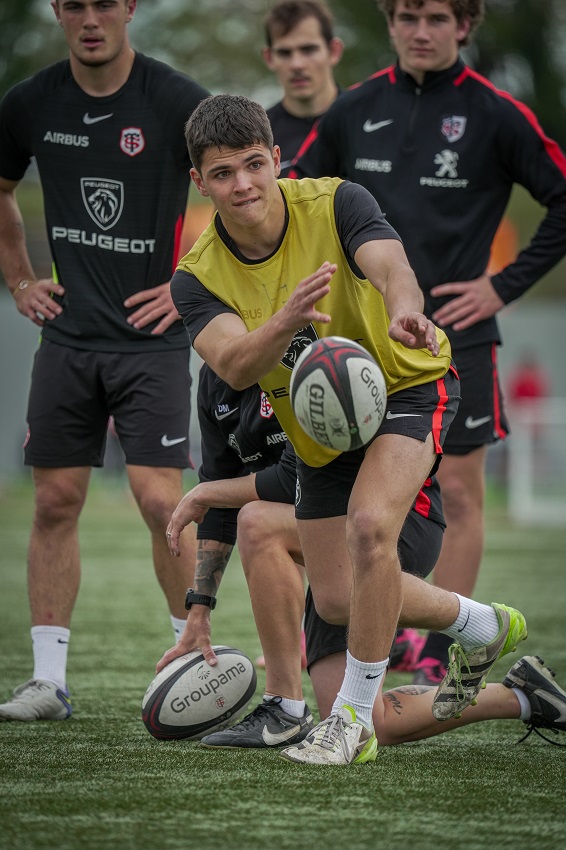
526 709
178 627
359 688
50 645
475 625
294 707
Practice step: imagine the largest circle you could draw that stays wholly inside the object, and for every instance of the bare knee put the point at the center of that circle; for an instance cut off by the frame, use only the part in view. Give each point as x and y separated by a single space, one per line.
371 536
254 528
59 500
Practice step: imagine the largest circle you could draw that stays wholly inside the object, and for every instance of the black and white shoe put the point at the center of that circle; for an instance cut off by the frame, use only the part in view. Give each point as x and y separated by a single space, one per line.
266 726
547 699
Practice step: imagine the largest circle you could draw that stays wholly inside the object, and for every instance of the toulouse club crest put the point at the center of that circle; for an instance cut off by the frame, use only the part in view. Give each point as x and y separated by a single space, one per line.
132 141
265 408
453 127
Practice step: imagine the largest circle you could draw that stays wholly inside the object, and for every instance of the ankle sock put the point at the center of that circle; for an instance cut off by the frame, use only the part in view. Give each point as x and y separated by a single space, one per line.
50 645
359 688
475 625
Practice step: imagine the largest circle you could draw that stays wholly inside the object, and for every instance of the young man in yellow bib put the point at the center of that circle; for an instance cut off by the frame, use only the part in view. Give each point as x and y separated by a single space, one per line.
282 264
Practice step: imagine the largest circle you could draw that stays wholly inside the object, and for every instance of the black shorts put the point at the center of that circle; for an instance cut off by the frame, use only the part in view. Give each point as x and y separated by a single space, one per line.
74 392
481 417
419 547
325 491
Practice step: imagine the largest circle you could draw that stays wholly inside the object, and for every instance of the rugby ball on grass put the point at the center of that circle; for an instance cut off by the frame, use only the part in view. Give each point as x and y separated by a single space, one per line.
189 698
338 393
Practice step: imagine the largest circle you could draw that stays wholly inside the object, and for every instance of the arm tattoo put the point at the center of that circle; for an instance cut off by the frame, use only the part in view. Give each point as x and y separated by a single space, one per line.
210 565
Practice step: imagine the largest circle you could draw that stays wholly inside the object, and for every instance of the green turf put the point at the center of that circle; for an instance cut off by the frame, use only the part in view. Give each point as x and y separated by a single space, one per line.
100 781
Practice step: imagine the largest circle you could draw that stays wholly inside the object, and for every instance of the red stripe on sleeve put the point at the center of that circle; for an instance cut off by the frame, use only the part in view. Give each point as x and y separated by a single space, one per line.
551 147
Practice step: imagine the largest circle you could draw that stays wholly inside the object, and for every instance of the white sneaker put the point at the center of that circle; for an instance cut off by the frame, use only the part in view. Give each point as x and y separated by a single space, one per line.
37 700
339 739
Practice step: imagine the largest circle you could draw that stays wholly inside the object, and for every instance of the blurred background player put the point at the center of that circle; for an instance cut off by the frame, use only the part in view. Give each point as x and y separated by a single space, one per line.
106 129
302 51
440 149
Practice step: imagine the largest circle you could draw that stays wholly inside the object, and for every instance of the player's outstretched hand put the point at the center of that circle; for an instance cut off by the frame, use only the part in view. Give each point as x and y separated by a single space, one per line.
189 509
300 309
473 301
156 304
35 300
195 637
414 330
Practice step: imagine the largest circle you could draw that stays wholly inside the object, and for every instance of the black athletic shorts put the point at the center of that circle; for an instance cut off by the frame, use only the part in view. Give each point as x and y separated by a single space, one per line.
416 412
481 416
74 392
419 547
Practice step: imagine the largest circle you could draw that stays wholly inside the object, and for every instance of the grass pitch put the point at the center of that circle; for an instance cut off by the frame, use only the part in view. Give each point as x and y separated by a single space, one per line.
100 781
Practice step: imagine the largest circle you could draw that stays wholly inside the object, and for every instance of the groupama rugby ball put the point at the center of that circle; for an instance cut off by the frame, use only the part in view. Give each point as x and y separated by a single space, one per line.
338 393
189 698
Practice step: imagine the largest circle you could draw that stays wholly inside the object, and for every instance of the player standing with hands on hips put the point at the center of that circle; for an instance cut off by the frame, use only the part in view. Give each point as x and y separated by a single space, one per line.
440 149
282 263
106 130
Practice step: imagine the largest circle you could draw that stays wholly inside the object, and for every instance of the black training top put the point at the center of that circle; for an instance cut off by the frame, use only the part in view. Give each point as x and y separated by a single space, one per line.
290 133
441 160
115 177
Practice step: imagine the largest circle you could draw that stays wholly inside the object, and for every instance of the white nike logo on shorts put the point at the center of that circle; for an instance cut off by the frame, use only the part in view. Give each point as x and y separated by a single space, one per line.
475 423
166 442
390 415
272 740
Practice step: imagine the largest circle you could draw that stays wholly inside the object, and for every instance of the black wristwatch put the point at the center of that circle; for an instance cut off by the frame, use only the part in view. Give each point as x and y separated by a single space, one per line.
194 598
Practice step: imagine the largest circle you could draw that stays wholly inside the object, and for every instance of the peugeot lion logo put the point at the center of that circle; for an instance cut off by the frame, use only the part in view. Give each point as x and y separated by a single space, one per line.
104 200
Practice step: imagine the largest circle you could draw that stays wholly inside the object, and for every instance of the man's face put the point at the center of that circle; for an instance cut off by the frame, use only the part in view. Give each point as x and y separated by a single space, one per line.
241 182
95 29
426 38
303 60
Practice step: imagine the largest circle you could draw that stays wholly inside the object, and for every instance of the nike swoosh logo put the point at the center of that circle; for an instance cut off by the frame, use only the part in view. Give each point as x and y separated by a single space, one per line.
272 740
165 441
88 120
475 423
221 416
60 640
370 128
372 677
465 624
390 415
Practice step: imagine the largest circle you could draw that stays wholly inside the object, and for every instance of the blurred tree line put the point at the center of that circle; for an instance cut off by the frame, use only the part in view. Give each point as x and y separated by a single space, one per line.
521 46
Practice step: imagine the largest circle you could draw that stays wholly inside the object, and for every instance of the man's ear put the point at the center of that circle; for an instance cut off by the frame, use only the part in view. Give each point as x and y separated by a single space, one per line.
276 153
197 180
336 48
267 57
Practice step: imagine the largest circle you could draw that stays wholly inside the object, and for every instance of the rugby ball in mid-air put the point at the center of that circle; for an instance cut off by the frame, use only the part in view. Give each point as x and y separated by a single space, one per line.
338 393
189 698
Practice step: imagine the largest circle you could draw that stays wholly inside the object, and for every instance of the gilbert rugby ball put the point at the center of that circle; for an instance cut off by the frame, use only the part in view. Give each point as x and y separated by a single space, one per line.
189 698
338 393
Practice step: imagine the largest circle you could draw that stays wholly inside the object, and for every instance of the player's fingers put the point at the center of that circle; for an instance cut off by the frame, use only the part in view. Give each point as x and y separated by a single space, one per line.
209 654
168 657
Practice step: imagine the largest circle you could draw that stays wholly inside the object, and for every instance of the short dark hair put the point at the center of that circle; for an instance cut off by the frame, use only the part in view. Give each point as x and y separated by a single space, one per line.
473 10
286 14
226 121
